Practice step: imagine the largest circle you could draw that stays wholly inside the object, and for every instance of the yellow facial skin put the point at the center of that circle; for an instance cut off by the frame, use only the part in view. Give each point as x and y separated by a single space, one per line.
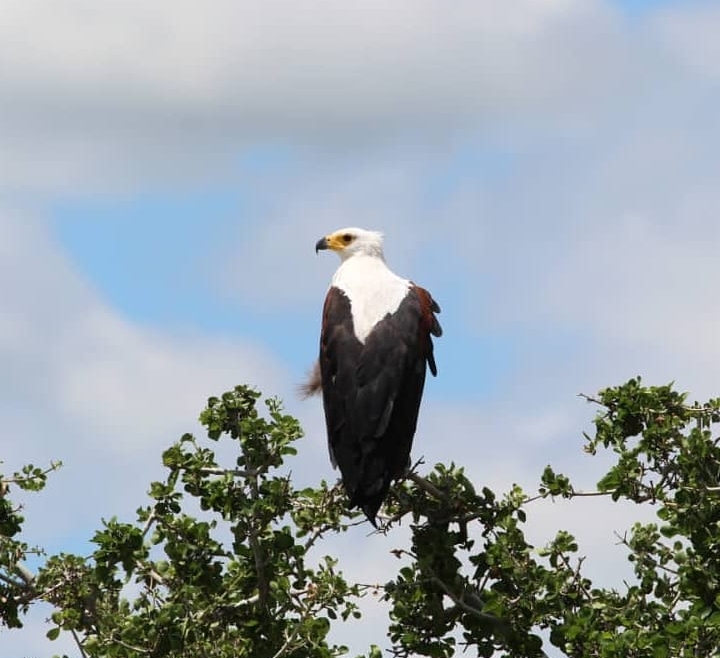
335 241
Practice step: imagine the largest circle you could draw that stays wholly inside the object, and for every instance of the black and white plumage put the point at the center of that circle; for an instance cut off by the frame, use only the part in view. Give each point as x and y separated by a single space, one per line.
375 344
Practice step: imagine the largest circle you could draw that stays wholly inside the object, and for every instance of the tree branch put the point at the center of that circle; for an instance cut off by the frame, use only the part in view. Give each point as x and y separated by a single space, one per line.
289 640
460 603
568 496
426 486
700 410
235 472
13 583
140 650
78 642
149 523
263 586
24 573
154 575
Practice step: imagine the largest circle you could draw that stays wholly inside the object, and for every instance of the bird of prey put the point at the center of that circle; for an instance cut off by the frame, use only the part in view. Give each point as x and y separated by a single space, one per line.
375 345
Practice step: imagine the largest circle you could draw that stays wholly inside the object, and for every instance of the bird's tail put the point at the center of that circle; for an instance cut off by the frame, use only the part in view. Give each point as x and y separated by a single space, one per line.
371 487
370 505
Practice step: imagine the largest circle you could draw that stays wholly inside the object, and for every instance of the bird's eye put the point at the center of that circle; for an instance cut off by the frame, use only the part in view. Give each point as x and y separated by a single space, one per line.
347 238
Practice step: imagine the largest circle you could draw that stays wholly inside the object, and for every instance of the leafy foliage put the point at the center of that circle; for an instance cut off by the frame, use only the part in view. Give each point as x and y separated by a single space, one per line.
17 589
224 560
502 590
219 563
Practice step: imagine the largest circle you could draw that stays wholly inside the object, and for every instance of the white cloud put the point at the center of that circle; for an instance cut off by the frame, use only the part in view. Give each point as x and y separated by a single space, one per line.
255 54
87 386
686 31
128 93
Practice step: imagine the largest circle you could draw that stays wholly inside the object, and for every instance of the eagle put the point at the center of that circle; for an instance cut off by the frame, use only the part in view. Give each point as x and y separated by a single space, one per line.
375 346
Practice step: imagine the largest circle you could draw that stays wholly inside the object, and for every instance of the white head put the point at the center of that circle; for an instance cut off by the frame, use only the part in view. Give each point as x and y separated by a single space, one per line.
349 242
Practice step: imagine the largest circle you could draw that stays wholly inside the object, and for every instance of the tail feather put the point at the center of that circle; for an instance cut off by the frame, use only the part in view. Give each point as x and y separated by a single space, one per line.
370 505
371 512
313 384
370 486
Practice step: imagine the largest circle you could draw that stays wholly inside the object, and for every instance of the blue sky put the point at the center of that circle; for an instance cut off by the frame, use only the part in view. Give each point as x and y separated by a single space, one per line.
547 168
157 258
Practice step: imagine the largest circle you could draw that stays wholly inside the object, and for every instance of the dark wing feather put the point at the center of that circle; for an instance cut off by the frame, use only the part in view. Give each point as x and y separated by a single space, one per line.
339 355
372 391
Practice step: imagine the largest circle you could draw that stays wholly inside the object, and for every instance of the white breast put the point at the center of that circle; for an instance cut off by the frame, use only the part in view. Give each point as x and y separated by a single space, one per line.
373 289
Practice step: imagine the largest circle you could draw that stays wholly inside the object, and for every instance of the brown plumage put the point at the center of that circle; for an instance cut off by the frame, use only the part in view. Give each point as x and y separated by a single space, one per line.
375 345
313 385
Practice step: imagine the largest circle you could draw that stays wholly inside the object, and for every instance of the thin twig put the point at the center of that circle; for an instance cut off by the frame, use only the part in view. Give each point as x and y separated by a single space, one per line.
320 531
307 613
576 574
131 647
289 640
248 601
702 409
236 472
22 477
591 399
465 606
654 563
569 495
148 524
154 575
78 642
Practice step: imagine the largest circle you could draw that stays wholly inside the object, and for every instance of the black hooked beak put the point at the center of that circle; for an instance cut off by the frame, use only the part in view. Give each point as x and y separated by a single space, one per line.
321 244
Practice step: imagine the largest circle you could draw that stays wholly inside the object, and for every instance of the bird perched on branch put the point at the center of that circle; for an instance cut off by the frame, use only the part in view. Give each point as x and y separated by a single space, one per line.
375 344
